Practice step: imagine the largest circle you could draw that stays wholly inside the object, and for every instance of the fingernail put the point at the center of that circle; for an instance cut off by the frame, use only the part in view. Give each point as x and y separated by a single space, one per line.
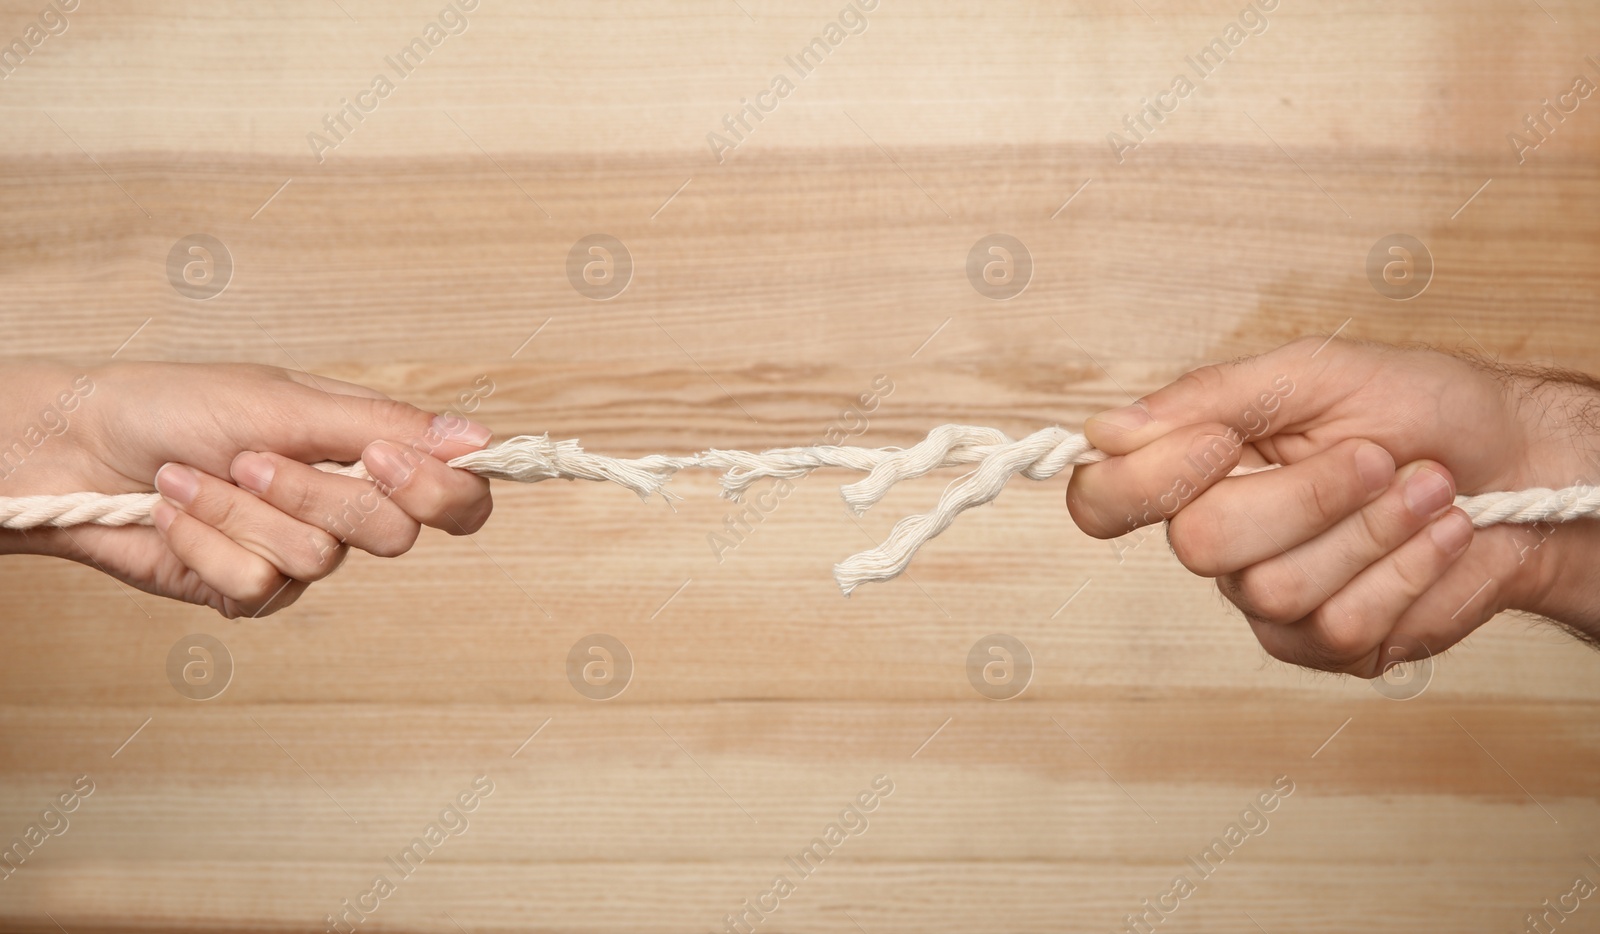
177 483
162 514
1427 492
456 428
386 464
253 472
1127 418
1375 466
1452 532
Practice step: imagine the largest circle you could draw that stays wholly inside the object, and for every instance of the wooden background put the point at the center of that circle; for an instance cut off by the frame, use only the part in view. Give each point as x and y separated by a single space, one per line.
767 294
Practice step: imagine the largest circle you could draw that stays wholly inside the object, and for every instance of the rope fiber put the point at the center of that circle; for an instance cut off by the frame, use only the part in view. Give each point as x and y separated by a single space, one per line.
1039 456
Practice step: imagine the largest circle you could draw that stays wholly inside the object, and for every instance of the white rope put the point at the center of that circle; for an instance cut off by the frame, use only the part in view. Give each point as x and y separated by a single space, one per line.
1039 456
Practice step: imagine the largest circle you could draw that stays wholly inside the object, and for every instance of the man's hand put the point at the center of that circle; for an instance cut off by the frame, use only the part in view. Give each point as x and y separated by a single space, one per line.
1352 557
245 524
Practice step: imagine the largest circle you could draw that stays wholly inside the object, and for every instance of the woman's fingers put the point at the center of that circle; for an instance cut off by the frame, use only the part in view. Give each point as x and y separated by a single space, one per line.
1116 496
353 511
412 489
141 556
430 491
296 549
249 583
1290 584
1347 631
1245 520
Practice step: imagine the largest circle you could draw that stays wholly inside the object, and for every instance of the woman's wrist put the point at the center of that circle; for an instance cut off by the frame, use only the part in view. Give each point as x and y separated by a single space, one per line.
45 428
44 443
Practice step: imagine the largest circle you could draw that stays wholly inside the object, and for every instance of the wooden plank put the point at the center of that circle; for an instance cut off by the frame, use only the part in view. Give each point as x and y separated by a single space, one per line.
828 252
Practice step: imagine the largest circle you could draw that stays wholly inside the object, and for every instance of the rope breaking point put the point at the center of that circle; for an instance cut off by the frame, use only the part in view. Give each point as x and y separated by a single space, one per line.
1039 456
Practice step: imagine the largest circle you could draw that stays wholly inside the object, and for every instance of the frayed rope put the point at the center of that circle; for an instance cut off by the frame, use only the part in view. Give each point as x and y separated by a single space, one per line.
1039 456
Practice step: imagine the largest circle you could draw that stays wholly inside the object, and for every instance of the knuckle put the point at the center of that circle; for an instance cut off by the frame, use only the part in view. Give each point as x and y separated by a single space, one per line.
411 476
1280 643
1368 668
1232 587
259 582
214 506
283 598
292 494
426 499
1341 642
1320 503
475 516
409 422
1373 529
1204 379
319 555
1417 575
1272 600
1198 383
281 603
1283 650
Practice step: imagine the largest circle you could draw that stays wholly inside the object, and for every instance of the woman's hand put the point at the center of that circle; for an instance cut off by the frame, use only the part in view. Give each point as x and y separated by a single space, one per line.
245 524
1351 557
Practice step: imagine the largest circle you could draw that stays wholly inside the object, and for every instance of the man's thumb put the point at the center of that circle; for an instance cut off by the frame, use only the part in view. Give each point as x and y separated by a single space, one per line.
1257 396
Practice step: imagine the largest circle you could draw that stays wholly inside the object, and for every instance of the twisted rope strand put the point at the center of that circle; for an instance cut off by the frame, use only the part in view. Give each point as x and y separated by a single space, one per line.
1039 456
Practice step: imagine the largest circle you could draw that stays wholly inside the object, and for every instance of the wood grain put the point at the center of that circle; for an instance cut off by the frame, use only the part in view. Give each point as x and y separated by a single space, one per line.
768 293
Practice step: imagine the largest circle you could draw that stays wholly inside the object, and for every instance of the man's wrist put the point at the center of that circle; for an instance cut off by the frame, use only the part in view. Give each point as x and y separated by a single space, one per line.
1564 585
1562 413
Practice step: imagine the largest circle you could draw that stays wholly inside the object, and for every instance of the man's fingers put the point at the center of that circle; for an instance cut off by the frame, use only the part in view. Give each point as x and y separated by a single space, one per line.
1347 632
1288 586
1470 593
434 494
1257 396
353 511
1249 519
1116 496
295 548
